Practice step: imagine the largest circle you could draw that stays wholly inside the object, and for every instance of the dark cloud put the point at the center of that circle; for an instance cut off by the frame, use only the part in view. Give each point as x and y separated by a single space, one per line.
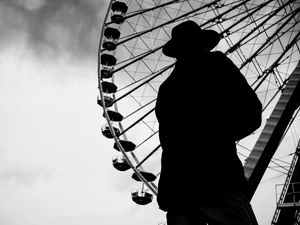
52 28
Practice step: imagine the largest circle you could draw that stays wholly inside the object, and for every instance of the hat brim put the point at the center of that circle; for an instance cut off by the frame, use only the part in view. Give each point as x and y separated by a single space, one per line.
210 38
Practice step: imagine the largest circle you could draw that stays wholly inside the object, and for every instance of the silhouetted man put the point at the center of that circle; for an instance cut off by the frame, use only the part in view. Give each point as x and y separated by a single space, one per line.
203 107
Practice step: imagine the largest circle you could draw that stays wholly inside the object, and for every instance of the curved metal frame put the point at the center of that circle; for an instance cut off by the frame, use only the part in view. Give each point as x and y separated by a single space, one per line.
226 32
105 109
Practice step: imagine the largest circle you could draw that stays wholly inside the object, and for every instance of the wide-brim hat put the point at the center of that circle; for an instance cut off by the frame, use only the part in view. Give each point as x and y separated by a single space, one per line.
190 35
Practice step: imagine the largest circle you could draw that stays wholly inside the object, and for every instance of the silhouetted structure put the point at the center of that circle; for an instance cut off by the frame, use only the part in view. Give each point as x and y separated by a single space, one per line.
203 107
273 131
288 205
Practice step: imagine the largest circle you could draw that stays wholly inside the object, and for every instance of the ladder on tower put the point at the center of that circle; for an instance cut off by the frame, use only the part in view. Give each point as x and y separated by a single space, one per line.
288 205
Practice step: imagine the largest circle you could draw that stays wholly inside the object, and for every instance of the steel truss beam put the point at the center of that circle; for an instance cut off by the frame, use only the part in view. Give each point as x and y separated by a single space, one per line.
270 137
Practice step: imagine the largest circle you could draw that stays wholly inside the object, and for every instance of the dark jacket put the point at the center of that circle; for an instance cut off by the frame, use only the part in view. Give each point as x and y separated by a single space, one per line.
203 107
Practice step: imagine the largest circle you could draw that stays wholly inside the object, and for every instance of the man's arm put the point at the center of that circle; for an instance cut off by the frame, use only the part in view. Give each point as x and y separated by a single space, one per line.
245 106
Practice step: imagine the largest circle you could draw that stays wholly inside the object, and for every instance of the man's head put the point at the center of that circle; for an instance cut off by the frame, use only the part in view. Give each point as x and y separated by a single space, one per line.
189 38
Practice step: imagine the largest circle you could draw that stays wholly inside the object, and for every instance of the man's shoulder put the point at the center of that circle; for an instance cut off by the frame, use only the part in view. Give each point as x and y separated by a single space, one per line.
221 59
218 54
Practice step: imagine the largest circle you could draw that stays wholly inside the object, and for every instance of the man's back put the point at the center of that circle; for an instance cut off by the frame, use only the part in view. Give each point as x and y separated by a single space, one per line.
197 108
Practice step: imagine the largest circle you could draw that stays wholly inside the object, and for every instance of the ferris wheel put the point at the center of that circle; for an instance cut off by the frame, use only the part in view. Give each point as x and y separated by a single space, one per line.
261 37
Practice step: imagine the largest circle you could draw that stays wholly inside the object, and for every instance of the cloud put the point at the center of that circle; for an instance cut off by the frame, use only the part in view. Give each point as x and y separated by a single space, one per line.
22 168
24 177
52 28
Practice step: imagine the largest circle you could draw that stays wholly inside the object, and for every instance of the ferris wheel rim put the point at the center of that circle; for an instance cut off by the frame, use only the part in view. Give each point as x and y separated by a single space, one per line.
116 137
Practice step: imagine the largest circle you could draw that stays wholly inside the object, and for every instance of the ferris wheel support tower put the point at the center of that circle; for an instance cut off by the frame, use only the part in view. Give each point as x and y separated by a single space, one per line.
287 211
272 133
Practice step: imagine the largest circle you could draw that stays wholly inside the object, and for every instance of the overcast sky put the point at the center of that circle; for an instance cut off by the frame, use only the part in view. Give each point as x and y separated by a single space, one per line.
55 166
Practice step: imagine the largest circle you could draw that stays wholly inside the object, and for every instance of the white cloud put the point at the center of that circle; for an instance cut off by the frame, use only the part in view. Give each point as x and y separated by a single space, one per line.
55 165
23 176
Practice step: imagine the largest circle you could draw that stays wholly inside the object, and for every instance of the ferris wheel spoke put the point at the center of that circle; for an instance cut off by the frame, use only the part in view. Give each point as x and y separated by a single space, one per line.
246 17
291 122
267 90
134 81
279 171
147 21
290 7
271 40
252 58
143 83
219 17
140 108
137 121
231 7
240 42
139 38
147 138
148 156
268 42
142 57
282 161
136 59
167 23
244 27
228 39
277 62
266 105
141 11
295 19
273 67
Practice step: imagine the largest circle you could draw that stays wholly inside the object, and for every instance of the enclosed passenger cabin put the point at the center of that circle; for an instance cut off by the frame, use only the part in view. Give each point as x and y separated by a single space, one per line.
119 10
109 87
128 146
107 132
150 177
141 197
106 102
106 73
120 163
113 116
111 38
107 62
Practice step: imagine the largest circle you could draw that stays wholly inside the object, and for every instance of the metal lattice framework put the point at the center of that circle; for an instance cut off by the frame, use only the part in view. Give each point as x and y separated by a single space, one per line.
261 37
287 211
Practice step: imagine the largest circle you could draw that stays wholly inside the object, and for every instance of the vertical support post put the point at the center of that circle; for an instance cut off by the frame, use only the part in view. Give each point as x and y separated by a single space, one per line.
269 139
